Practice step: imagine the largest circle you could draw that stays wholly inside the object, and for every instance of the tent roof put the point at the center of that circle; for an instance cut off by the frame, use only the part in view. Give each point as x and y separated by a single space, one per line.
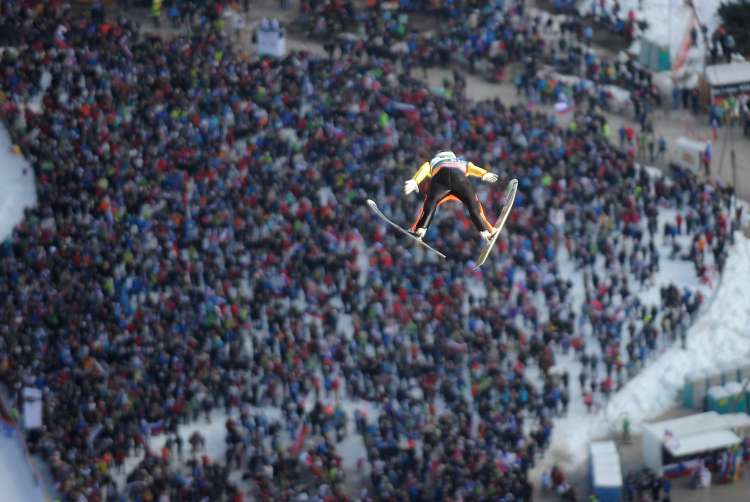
697 443
736 420
691 424
728 74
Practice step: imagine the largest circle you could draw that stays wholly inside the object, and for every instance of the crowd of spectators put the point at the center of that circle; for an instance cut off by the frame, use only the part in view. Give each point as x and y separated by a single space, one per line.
487 39
645 484
722 42
198 245
606 15
482 36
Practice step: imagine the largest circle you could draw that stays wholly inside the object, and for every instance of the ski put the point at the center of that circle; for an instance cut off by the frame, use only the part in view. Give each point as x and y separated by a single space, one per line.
383 217
510 196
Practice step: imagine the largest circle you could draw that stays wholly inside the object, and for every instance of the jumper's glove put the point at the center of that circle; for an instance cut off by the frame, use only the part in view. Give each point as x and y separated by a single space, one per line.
489 177
411 186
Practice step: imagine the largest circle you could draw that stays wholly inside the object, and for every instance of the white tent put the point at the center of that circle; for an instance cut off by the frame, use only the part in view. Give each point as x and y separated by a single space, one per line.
728 79
687 425
32 408
702 432
689 153
706 441
736 421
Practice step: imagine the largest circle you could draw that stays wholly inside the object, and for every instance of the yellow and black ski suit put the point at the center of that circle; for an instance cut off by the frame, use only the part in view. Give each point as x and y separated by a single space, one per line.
449 182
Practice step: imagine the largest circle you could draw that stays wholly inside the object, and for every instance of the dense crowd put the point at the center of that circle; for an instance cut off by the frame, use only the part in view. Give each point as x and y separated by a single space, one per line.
611 16
486 39
482 36
201 243
644 484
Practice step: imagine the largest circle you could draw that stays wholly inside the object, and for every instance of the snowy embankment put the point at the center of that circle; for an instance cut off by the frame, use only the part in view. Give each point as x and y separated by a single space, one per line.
720 338
16 478
17 192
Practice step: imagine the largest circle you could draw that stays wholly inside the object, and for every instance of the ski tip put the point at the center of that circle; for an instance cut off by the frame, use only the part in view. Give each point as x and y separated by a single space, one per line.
371 203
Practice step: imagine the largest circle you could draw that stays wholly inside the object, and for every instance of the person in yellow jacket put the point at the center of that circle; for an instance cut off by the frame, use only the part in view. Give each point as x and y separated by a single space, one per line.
156 11
449 182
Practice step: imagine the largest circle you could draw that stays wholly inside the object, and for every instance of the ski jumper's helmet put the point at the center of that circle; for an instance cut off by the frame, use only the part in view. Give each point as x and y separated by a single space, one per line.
442 157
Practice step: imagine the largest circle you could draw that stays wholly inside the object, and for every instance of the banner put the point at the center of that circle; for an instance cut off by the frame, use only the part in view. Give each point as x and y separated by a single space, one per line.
32 408
271 40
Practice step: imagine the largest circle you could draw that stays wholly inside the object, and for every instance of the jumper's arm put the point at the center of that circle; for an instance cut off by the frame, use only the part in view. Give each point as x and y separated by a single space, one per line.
474 170
422 173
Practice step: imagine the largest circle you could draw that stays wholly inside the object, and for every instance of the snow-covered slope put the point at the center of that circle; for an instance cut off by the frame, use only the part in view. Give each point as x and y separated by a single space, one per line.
16 480
719 339
17 192
17 189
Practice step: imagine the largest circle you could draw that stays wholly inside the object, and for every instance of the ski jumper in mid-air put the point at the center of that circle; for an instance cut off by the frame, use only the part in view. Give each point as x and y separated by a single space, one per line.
449 177
449 181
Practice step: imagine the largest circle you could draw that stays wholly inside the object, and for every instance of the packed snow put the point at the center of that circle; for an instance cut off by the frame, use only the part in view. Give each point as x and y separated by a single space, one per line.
718 339
16 477
17 192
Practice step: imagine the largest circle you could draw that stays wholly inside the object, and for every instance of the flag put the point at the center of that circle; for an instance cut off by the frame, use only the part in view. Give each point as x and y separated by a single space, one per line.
296 446
562 107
